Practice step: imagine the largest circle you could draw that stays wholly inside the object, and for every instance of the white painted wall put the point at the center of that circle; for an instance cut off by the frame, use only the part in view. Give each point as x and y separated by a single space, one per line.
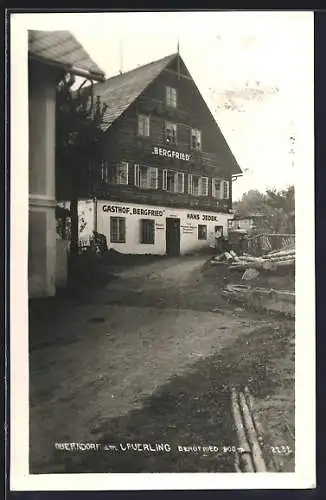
42 230
188 226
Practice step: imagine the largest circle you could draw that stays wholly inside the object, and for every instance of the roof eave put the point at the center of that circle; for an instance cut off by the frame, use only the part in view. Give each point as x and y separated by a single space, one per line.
91 75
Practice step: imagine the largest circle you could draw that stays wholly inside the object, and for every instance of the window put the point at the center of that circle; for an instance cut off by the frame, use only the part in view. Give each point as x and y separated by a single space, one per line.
204 186
197 185
143 125
202 232
117 229
173 181
216 188
120 173
196 139
104 172
194 185
220 189
171 132
114 174
147 231
146 177
171 97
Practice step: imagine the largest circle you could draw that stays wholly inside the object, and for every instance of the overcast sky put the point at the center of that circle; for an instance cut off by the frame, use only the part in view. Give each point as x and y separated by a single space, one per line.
256 63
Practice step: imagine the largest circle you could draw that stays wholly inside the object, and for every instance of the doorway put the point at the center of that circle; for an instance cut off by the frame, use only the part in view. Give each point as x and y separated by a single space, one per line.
219 228
172 236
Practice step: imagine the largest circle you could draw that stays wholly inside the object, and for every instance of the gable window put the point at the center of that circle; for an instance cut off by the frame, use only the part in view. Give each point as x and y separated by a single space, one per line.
117 229
197 185
146 177
173 181
147 231
171 97
143 125
202 232
196 139
171 132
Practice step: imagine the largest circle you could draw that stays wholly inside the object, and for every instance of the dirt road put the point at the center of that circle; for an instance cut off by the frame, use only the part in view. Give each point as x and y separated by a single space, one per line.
99 362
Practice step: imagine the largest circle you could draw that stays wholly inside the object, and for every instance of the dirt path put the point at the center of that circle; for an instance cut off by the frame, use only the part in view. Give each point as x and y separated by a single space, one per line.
103 360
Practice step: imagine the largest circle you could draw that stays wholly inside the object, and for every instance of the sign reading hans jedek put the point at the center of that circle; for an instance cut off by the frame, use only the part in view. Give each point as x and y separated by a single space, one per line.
203 217
171 153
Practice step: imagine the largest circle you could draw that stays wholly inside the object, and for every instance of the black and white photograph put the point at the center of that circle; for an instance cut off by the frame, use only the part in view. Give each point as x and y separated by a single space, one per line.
162 262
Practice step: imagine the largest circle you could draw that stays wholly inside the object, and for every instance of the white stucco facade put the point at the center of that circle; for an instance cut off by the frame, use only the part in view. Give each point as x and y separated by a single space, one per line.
97 215
42 233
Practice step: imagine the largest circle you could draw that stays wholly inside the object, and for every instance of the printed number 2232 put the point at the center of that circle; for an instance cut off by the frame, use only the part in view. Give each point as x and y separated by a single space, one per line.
281 450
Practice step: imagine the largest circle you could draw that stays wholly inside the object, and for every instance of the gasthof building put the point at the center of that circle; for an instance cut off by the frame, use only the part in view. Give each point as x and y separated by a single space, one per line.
163 183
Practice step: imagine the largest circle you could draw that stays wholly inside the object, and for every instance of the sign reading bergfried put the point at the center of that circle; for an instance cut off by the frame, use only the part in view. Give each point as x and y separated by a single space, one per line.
171 153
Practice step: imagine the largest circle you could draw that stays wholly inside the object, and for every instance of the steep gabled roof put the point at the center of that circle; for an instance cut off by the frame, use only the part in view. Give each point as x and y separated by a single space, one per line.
120 91
60 48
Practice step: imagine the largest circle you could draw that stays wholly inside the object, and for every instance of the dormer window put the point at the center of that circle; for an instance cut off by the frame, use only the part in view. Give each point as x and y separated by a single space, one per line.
171 132
196 139
171 97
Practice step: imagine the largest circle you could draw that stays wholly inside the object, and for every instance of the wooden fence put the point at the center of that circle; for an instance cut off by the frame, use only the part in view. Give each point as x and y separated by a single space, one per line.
263 243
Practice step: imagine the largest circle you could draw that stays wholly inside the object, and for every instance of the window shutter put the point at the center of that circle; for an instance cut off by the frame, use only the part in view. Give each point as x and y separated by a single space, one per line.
227 189
174 97
167 95
147 126
140 125
153 178
189 184
224 190
213 188
204 182
200 186
123 173
136 173
180 182
164 180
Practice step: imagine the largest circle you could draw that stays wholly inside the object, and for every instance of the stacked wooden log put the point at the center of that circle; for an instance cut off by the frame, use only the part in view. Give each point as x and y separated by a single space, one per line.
269 262
249 433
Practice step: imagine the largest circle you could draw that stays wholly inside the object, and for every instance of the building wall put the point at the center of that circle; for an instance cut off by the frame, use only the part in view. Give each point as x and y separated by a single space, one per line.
243 223
133 213
42 225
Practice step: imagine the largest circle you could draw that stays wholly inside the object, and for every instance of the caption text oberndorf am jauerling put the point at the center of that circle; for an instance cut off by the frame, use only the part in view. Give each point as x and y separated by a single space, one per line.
145 447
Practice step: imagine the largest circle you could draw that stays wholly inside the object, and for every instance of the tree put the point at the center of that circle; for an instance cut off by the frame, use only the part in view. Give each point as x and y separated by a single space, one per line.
276 206
79 134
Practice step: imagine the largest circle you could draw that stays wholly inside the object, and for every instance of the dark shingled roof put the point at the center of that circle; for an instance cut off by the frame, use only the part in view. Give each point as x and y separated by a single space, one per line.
62 49
120 91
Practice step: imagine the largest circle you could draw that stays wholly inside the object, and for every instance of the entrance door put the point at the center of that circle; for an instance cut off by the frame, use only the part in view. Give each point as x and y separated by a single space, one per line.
172 236
220 229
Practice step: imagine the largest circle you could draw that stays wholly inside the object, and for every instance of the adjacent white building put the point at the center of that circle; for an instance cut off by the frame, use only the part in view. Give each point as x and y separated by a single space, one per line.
51 55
